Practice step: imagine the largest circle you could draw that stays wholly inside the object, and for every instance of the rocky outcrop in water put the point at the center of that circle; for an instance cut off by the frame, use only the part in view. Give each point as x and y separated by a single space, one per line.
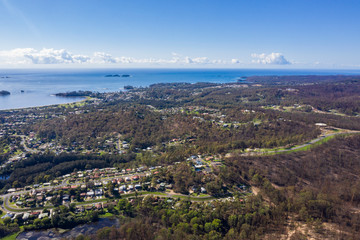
4 93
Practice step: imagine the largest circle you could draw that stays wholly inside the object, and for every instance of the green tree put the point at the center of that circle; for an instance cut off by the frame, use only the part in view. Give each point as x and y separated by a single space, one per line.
7 220
232 220
216 225
37 223
214 235
207 227
183 177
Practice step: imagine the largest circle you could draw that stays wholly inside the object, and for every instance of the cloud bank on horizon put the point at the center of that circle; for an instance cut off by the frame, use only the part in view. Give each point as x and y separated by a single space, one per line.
273 58
46 56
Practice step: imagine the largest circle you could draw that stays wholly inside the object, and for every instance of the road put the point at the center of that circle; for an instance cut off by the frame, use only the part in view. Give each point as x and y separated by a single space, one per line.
6 205
303 145
23 137
7 208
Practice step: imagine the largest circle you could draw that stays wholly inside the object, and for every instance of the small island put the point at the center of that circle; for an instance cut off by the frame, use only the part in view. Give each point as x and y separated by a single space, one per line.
118 75
75 94
4 93
241 79
112 75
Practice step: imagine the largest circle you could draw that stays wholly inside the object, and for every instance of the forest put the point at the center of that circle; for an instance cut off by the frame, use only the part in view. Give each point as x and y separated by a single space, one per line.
239 124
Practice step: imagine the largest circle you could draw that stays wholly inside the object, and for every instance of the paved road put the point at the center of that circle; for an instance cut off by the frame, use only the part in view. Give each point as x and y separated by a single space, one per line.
10 209
23 137
63 184
8 195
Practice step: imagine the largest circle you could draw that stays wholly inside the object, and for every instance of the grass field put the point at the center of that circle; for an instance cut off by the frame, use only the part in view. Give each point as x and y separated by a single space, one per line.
11 237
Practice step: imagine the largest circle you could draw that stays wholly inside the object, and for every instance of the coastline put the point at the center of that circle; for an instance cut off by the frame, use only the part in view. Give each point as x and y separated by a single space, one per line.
40 84
47 105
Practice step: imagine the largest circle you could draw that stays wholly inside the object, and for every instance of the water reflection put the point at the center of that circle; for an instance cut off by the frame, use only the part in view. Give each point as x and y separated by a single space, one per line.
84 229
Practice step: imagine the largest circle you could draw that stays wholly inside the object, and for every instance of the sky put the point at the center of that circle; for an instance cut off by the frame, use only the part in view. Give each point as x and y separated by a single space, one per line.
170 33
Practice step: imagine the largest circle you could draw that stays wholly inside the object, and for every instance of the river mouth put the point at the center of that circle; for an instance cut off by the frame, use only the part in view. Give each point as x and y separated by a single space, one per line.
54 234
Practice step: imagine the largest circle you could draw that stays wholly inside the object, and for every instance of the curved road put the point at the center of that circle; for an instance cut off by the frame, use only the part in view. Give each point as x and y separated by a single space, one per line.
6 207
301 146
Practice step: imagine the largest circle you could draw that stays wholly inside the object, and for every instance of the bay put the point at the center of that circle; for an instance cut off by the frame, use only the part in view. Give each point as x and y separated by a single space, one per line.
36 87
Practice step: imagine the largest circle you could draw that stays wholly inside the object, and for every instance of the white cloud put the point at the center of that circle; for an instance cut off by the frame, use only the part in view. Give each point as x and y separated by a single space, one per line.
101 57
62 56
53 56
272 58
16 56
177 58
44 56
235 61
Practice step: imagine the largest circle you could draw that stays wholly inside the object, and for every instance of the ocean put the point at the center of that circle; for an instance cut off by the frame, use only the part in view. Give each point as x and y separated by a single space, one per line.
35 87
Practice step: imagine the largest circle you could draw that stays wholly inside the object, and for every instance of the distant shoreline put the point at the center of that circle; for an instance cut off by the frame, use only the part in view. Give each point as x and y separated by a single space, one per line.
40 84
47 105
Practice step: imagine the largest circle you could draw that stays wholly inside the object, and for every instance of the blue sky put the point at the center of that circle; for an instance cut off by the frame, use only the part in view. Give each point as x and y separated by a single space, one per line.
228 33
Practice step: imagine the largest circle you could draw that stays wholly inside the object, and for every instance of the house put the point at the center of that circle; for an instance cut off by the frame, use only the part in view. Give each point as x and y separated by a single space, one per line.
242 187
48 198
97 184
135 178
11 190
35 214
26 216
88 208
98 192
43 215
162 186
90 193
30 200
80 209
198 167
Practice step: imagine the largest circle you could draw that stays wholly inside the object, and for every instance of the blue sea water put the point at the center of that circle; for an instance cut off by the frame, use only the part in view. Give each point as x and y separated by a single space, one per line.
39 86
